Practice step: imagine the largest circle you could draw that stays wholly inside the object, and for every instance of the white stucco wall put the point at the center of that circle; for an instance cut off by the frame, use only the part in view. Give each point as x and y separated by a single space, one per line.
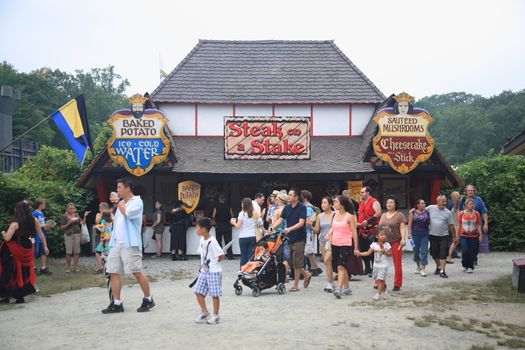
331 120
253 110
211 119
292 110
361 115
181 118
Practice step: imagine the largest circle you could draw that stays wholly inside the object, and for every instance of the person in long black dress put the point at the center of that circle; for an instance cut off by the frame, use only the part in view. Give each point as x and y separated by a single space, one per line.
178 232
222 214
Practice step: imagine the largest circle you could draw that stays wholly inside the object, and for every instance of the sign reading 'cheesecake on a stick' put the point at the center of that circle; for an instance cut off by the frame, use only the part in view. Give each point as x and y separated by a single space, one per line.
403 139
267 137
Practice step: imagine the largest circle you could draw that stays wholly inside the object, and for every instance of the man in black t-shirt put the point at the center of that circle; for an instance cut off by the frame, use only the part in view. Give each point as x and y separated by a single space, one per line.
295 215
222 214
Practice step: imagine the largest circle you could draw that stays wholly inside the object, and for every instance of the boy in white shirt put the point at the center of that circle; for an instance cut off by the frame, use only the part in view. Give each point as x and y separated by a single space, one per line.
381 249
209 281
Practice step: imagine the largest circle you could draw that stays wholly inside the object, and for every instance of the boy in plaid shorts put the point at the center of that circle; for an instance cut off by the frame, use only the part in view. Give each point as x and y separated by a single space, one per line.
209 281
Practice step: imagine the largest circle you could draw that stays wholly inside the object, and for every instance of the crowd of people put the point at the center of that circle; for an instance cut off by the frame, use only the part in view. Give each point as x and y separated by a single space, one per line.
353 238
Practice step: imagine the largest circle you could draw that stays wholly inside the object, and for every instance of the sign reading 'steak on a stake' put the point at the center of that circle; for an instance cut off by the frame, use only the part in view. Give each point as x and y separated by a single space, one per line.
139 140
403 139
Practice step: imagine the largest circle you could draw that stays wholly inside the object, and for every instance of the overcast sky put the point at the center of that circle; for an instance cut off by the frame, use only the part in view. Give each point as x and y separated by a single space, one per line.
422 47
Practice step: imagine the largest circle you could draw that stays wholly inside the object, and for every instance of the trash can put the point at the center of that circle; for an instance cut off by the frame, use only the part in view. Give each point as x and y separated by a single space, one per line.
518 274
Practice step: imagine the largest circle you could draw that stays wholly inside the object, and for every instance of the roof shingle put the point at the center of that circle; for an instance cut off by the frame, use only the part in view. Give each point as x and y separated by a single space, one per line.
267 72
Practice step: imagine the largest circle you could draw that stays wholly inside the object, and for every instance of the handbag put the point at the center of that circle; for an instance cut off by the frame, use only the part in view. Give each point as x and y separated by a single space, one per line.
84 234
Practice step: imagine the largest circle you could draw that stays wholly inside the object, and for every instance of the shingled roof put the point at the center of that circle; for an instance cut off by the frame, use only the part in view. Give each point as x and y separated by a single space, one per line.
329 155
271 71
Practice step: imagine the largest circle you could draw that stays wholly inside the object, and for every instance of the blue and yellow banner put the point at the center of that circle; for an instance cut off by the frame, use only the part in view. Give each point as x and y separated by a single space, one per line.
71 120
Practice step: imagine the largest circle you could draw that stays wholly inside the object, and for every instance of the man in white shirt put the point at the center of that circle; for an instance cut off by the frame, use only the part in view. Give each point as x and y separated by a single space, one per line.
258 203
125 255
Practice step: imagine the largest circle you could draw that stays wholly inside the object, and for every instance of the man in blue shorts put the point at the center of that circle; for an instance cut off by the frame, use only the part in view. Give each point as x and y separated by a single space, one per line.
39 251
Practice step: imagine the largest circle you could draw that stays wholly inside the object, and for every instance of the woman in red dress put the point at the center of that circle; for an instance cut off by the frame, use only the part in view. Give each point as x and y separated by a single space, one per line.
17 275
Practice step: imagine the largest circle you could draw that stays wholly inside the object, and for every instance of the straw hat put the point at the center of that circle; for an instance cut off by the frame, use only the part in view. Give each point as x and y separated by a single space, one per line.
283 196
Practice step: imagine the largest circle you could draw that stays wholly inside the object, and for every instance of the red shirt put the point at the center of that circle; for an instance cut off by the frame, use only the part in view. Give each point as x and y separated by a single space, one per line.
366 211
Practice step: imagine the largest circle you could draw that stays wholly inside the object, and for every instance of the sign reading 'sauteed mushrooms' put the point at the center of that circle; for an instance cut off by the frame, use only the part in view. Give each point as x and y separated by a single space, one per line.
403 140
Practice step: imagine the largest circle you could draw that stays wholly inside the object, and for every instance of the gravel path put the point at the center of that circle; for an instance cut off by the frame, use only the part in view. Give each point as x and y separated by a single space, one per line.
309 319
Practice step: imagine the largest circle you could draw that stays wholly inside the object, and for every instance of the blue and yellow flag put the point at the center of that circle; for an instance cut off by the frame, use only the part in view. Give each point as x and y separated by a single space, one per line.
71 120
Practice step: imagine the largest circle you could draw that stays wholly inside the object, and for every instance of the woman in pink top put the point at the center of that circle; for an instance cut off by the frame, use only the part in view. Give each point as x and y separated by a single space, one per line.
343 237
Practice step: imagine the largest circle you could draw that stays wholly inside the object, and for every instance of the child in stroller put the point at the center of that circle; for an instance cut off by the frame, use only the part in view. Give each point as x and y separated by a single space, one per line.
251 267
265 269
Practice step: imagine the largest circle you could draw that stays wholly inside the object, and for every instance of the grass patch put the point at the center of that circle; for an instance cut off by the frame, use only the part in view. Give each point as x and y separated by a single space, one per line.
513 343
421 323
482 347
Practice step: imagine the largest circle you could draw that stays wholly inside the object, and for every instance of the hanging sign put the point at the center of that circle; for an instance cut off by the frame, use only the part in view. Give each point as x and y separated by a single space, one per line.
403 139
355 189
189 195
139 141
267 137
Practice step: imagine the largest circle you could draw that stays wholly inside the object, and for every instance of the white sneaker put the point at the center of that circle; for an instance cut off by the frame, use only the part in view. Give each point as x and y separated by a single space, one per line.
329 288
423 273
465 269
347 291
214 319
338 293
202 318
376 297
384 295
417 271
470 270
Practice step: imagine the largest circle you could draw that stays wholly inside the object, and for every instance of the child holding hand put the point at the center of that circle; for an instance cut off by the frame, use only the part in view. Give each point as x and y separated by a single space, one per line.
381 249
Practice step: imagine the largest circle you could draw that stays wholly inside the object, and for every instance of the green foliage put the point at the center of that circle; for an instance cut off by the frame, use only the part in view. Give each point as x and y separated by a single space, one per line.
45 90
500 181
467 126
49 175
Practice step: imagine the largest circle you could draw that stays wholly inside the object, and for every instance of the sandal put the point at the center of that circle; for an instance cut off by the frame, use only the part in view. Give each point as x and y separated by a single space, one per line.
307 280
293 289
68 270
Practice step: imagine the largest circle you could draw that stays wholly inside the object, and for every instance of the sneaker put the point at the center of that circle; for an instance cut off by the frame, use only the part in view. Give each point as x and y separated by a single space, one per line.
338 293
112 308
319 271
437 272
329 288
417 271
464 269
214 319
45 272
385 295
376 297
423 273
146 305
202 318
443 275
20 300
314 273
396 289
470 270
347 291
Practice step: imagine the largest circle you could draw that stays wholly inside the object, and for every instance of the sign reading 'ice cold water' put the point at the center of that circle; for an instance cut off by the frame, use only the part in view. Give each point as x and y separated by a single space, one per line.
138 141
267 138
403 140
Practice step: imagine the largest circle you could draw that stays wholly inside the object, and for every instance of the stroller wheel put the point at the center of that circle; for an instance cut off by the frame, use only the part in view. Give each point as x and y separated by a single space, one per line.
256 291
281 288
238 290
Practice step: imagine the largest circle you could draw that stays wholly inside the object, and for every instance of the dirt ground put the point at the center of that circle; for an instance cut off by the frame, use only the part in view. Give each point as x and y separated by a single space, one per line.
308 319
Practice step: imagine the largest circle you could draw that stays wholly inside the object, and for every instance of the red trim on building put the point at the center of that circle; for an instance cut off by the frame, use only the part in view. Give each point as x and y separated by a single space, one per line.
273 110
349 119
312 120
196 119
434 190
101 191
234 111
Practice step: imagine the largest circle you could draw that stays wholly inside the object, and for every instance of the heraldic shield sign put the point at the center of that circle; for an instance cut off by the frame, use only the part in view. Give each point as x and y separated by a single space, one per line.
189 195
403 139
139 140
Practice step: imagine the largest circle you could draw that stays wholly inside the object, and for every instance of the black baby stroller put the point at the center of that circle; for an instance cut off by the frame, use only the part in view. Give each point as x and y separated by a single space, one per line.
271 273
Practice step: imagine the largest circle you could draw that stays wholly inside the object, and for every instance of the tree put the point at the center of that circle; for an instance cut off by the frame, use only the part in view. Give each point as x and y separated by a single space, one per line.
500 181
